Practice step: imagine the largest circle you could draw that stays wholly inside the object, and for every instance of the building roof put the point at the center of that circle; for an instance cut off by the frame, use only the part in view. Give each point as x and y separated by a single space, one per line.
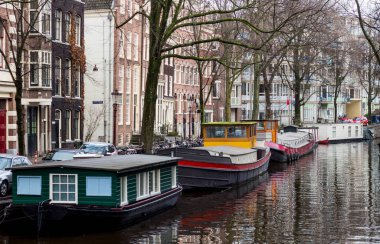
118 164
98 4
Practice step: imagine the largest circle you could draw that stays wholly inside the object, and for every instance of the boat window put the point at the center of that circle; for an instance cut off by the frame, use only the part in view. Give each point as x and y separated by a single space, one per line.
29 185
174 176
98 186
215 132
269 125
260 125
63 188
237 132
124 190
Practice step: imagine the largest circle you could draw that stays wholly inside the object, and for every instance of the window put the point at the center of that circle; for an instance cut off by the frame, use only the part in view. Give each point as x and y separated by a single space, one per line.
78 21
45 70
349 131
58 25
77 82
63 188
33 68
124 190
127 108
98 186
2 40
148 183
28 185
120 115
356 131
57 74
45 23
129 45
174 176
136 47
67 77
68 125
128 79
136 79
216 89
33 16
67 27
77 125
122 7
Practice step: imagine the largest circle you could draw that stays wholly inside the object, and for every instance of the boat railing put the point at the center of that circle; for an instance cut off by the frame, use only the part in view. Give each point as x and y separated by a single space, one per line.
294 142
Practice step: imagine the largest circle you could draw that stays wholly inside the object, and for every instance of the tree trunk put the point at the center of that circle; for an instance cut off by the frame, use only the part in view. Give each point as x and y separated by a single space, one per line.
267 92
335 108
150 99
20 112
369 105
227 106
297 108
256 87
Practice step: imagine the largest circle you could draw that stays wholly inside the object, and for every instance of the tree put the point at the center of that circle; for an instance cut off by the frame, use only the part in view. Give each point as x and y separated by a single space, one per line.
19 42
165 18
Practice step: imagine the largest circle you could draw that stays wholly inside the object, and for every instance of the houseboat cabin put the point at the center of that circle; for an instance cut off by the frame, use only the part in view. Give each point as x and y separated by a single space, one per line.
236 134
106 191
266 131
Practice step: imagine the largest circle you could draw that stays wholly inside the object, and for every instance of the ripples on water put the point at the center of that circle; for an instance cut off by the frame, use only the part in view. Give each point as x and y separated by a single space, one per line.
329 196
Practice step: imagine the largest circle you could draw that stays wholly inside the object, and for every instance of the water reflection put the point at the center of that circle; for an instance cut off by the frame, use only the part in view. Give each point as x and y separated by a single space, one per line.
329 196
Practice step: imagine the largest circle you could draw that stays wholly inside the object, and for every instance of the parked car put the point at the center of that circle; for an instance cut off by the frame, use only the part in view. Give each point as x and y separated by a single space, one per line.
60 155
345 120
102 148
361 119
8 161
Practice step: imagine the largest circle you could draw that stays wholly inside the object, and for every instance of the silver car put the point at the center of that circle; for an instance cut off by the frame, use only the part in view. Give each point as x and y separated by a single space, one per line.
8 161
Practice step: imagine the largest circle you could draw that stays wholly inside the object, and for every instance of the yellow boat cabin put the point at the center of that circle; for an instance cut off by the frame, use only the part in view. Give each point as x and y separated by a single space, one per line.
236 134
266 130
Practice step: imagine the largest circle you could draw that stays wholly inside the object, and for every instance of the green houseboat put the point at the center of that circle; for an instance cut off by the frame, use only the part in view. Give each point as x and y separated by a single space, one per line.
100 192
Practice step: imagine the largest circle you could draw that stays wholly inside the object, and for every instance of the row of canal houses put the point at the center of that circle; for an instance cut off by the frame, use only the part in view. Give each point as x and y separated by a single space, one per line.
98 93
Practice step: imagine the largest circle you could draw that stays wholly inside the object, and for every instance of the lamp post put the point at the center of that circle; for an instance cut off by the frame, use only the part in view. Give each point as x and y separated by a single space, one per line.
115 97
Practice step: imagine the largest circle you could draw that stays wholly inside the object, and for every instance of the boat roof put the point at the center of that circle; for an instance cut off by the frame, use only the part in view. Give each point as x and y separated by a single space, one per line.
229 123
117 163
234 151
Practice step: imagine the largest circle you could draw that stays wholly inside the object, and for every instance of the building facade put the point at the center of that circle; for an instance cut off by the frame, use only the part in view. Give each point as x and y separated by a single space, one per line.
8 116
67 71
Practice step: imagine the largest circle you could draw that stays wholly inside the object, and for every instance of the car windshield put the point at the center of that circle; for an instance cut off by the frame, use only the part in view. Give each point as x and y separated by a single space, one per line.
5 163
99 149
61 156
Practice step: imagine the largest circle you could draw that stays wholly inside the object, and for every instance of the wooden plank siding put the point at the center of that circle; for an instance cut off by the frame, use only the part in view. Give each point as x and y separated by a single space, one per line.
166 179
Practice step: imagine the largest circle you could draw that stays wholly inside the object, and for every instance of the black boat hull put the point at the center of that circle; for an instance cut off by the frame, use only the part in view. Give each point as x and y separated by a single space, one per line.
56 217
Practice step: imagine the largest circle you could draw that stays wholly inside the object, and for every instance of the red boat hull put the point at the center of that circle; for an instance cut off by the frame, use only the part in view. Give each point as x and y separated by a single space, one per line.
281 153
323 142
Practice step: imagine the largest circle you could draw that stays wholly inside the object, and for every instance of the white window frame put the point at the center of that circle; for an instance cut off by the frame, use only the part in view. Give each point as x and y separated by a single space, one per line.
58 25
43 60
51 188
136 46
77 124
68 126
58 76
129 45
124 190
174 176
156 187
78 24
2 41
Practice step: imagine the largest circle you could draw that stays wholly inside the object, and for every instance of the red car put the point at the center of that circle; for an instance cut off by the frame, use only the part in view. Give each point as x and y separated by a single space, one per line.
361 119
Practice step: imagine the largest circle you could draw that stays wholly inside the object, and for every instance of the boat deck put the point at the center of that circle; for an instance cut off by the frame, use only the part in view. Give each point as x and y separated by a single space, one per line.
293 139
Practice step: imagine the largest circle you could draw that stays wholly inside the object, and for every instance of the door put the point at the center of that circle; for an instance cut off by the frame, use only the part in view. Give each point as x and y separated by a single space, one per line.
3 131
32 130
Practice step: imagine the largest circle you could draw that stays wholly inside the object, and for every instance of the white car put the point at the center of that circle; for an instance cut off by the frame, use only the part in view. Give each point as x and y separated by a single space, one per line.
8 161
102 148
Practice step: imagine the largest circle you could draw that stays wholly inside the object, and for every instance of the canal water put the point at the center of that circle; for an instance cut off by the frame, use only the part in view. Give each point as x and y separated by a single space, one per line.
330 196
